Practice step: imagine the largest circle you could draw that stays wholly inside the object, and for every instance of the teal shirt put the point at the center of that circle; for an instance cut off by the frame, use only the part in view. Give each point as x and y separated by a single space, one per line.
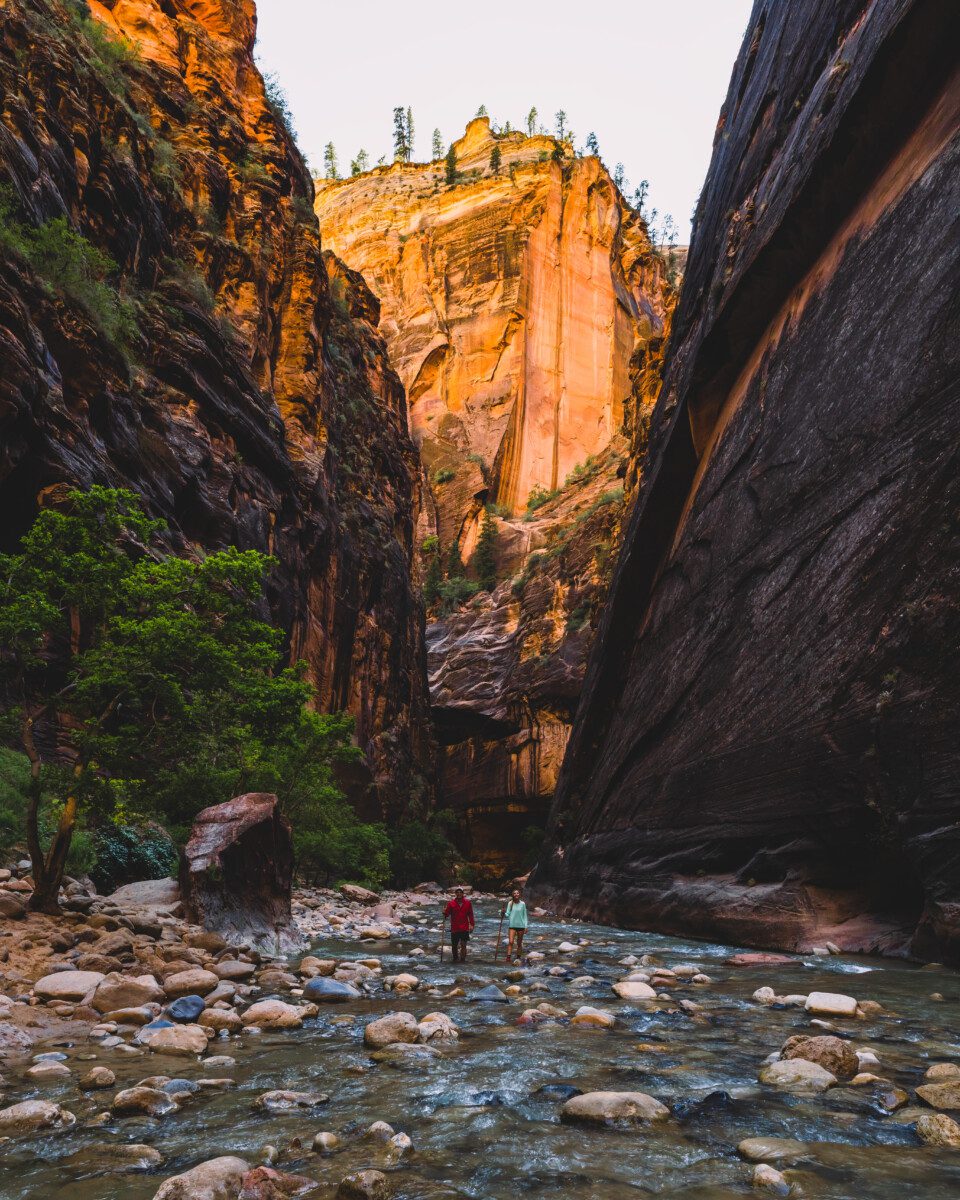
517 914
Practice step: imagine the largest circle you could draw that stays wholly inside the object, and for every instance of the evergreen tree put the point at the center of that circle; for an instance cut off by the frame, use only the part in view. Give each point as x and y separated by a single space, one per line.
485 556
400 151
619 177
482 111
360 164
432 580
495 159
640 197
409 133
593 146
437 144
331 168
561 119
451 166
454 561
532 121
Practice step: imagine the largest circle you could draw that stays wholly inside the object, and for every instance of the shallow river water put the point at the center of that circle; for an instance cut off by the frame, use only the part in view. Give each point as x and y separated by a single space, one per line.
478 1126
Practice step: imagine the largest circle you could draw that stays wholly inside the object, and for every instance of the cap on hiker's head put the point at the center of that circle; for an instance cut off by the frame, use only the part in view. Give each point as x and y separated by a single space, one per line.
460 891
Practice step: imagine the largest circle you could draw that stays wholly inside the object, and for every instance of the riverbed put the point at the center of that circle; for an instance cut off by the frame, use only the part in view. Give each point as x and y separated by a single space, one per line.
479 1124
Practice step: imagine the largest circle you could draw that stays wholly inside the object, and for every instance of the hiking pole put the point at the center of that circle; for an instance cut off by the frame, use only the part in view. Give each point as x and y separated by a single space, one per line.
496 952
443 930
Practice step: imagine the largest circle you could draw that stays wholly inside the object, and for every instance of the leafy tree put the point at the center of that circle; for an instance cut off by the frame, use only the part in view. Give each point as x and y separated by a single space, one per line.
360 164
561 119
532 121
279 104
437 145
495 159
422 850
331 167
451 166
593 146
401 150
485 554
161 681
410 133
454 560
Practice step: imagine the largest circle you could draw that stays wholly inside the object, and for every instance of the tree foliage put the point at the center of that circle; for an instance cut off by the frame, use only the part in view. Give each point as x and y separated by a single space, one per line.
485 555
451 166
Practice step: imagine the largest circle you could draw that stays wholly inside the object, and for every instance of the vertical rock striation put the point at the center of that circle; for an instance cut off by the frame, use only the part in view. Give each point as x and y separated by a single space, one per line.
214 369
766 748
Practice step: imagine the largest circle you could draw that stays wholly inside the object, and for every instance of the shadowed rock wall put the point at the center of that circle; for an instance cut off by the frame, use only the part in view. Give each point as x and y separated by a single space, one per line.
766 748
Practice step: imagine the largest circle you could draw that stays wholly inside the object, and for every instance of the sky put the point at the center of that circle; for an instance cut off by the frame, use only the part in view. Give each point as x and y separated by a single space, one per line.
648 77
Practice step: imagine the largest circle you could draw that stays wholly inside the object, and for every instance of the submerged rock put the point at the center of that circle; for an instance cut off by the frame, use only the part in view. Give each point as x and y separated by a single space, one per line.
797 1075
613 1106
216 1179
30 1116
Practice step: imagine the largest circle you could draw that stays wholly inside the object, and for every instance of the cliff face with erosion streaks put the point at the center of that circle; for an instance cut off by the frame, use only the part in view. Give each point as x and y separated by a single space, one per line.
766 746
526 313
237 396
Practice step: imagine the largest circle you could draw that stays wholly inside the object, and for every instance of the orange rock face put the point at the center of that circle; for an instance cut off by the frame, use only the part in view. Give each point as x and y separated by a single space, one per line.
513 304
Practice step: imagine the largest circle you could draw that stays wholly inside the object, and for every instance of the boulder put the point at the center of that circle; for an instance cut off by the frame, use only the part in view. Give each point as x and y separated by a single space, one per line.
364 1185
770 1179
153 1102
438 1027
67 985
323 990
634 989
11 908
281 1100
148 893
220 1018
216 1179
604 1107
234 969
179 1040
359 895
121 991
831 1053
489 995
797 1075
937 1129
195 980
831 1004
115 1158
945 1094
32 1115
266 1183
236 870
273 1014
186 1009
325 1143
96 1078
394 1027
593 1016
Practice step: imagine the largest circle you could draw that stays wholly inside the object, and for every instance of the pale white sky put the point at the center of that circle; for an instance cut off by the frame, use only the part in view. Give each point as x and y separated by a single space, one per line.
647 76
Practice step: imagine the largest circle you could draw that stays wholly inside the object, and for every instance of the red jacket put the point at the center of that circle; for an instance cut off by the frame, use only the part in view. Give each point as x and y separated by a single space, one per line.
461 916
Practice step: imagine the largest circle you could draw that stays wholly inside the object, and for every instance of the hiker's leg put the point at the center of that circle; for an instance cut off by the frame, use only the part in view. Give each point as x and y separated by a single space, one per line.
520 933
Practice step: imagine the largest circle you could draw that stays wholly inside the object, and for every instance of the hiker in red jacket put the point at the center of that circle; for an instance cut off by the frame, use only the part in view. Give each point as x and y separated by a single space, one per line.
460 912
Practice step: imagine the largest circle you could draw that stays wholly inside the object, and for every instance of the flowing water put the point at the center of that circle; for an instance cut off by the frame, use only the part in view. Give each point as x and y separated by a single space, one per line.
479 1127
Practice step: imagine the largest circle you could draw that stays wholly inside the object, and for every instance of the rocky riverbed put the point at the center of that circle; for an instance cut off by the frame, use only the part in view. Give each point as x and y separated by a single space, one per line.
147 1058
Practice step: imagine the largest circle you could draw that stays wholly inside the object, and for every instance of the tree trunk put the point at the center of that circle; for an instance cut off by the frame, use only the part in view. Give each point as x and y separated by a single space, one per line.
45 896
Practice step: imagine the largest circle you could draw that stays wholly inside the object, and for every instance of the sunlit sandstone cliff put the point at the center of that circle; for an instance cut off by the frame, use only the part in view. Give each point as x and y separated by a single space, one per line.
766 747
526 313
243 402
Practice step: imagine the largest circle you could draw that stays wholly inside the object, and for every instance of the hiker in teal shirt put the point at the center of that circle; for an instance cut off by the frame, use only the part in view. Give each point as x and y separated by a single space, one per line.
516 914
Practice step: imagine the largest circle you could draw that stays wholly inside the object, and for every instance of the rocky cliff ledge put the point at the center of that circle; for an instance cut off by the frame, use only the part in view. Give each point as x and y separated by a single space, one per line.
766 749
210 366
525 311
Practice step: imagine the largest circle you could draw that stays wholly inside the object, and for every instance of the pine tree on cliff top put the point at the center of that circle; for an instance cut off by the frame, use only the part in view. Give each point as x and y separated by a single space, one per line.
437 146
561 119
532 121
593 146
400 150
331 168
485 556
410 134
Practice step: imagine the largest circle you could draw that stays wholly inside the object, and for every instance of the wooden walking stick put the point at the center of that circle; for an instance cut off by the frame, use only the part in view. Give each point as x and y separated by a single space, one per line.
496 952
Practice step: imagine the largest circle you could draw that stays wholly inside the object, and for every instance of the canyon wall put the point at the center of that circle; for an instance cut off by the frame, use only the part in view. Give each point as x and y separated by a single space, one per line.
525 311
766 748
212 367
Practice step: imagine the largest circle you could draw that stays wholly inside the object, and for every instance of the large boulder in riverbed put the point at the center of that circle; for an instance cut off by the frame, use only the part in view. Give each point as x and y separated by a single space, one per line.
236 871
216 1179
604 1107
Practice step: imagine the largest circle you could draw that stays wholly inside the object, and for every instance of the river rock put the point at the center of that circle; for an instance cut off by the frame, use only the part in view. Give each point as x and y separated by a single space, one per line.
154 1102
380 1131
945 1094
216 1179
148 893
273 1014
831 1053
121 991
394 1027
770 1180
31 1115
96 1078
404 982
634 989
281 1100
941 1071
604 1107
364 1185
196 980
322 990
266 1183
183 1040
11 908
358 895
937 1129
221 1018
771 1149
488 995
67 985
797 1075
326 1143
234 969
596 1017
186 1009
43 1072
438 1027
831 1004
115 1158
312 966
